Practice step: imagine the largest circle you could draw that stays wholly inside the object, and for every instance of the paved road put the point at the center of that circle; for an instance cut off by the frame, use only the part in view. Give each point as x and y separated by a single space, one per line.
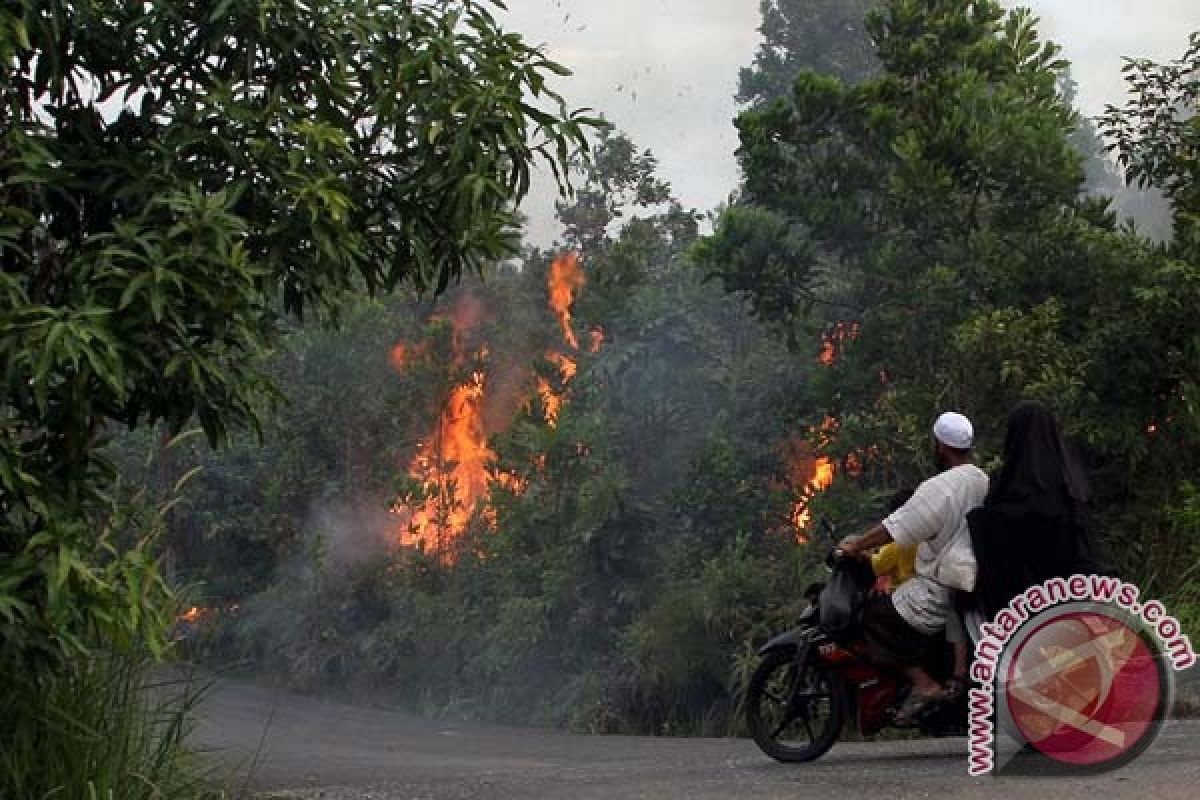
312 748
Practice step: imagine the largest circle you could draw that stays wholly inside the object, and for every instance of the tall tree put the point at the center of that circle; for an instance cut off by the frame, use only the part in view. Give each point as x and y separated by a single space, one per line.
907 203
1156 137
827 36
614 180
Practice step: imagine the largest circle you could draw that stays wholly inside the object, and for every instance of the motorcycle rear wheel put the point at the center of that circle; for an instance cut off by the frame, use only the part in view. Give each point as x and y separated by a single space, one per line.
794 717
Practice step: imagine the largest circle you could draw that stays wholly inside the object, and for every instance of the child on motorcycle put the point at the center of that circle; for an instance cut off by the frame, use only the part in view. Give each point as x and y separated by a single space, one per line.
894 563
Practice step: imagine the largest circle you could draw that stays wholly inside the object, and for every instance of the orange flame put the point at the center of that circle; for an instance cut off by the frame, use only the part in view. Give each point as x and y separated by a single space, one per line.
564 280
455 465
452 465
399 357
453 468
828 352
551 402
834 341
808 475
566 365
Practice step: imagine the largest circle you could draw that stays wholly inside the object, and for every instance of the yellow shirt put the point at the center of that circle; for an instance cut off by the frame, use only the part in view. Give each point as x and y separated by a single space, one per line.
896 561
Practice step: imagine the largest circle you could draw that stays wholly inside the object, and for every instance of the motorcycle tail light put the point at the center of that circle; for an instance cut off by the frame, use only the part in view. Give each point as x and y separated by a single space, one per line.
831 652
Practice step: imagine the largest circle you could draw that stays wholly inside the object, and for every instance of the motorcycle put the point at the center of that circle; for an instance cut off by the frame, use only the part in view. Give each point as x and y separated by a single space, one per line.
810 683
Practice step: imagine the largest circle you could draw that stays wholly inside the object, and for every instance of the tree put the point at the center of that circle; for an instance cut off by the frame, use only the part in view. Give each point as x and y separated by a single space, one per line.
1100 174
175 179
1157 135
905 202
826 36
614 180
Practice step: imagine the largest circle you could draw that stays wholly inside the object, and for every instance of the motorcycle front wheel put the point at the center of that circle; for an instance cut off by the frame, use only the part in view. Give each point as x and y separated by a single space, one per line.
794 715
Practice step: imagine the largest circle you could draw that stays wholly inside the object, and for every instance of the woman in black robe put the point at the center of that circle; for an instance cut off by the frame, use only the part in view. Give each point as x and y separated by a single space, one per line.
1035 522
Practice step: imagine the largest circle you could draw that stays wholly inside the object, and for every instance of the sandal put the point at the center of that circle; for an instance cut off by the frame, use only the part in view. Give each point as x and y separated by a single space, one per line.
913 705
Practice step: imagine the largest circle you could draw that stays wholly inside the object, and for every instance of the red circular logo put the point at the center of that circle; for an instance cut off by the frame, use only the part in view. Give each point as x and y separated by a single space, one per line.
1086 689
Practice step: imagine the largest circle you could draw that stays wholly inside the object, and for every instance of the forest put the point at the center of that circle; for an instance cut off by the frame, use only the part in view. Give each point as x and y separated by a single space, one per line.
287 394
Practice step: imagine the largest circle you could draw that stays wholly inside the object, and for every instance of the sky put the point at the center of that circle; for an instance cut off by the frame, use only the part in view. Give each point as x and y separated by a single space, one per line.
665 72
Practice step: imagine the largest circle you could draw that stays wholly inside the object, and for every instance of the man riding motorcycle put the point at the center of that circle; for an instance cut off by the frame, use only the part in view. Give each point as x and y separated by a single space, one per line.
906 628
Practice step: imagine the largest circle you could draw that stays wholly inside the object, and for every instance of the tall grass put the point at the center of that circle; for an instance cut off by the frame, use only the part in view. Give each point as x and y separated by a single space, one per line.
100 729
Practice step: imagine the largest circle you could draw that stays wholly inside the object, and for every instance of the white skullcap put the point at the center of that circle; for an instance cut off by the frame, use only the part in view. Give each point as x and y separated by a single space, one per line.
954 430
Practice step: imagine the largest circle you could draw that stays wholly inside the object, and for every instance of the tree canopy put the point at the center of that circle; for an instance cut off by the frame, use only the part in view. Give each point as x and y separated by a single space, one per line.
826 36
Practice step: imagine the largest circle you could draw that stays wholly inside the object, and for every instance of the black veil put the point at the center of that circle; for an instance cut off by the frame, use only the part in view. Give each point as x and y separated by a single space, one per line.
1035 522
1037 461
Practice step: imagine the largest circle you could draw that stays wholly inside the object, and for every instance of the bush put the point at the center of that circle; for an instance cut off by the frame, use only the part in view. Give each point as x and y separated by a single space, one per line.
99 728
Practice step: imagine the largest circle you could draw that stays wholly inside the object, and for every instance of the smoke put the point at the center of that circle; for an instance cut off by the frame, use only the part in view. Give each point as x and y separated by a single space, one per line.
343 532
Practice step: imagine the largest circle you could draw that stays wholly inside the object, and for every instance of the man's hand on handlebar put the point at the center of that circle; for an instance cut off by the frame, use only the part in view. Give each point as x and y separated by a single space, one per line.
858 546
850 547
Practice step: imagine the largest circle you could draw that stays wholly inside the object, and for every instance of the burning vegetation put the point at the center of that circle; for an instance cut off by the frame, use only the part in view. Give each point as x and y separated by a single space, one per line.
833 342
454 465
807 472
565 281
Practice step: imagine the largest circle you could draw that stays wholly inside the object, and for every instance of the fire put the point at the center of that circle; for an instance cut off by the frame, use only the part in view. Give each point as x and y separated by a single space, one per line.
808 474
454 466
199 618
453 463
566 365
565 279
551 402
399 357
834 341
828 352
820 477
562 283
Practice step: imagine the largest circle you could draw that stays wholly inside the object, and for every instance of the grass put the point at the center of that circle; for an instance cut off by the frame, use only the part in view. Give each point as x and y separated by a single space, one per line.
100 729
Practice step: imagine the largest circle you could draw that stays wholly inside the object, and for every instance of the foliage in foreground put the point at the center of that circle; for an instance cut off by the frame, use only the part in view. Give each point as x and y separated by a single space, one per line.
106 728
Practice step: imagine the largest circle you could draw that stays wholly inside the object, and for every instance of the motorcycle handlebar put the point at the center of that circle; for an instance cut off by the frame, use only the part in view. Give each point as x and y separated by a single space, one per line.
835 555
